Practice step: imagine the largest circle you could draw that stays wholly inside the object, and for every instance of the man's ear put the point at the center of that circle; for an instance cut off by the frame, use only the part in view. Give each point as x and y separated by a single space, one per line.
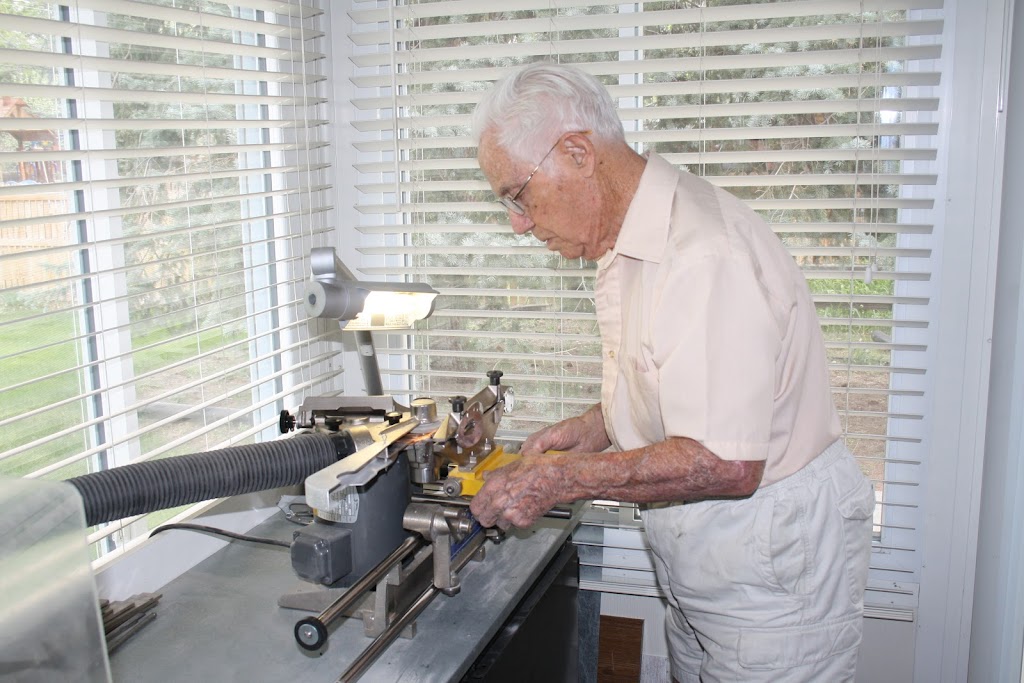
580 149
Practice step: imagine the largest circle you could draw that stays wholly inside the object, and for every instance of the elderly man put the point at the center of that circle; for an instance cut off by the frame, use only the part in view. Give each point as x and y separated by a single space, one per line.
716 412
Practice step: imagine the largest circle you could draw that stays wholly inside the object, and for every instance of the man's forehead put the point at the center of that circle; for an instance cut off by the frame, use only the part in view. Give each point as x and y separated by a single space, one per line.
491 151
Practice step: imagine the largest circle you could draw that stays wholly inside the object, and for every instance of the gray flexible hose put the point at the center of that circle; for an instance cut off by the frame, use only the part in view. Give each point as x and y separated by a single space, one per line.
153 485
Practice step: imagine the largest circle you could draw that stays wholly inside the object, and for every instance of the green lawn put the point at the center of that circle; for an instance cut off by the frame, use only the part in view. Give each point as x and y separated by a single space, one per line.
62 354
862 329
24 367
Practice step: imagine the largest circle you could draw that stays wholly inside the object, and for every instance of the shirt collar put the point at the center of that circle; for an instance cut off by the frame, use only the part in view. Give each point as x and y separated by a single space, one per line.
644 230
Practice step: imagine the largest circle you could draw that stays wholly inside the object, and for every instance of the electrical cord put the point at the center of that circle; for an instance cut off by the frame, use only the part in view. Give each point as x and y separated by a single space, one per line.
220 532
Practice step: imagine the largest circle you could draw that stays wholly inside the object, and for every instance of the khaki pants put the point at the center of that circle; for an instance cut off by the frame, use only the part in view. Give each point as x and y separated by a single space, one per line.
771 587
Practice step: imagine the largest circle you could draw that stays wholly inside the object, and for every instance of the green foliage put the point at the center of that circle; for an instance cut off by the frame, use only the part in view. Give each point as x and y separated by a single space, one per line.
851 286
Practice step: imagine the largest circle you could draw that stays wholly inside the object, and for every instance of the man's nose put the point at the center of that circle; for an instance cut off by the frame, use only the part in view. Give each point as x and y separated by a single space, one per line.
520 224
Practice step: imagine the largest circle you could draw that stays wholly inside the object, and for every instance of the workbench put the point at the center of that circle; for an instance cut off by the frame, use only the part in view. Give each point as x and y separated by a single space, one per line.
220 621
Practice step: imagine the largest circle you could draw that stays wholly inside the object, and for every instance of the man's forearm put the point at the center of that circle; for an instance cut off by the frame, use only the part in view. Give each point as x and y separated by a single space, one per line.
671 470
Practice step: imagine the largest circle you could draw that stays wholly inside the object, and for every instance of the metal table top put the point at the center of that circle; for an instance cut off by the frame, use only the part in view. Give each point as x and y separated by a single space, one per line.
220 620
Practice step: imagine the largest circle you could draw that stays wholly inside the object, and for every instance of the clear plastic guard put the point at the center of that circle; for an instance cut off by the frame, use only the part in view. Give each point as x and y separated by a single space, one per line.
50 624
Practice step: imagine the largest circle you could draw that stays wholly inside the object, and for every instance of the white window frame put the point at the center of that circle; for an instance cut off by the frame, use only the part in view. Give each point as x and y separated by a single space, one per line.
974 133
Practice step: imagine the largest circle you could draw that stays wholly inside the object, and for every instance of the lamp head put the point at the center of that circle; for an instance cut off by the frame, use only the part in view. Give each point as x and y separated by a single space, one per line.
335 293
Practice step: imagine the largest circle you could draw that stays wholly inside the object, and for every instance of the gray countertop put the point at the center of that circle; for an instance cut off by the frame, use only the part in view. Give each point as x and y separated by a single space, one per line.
220 620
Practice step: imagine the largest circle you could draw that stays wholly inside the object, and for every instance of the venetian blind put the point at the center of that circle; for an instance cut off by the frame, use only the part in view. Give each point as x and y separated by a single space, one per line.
165 176
821 114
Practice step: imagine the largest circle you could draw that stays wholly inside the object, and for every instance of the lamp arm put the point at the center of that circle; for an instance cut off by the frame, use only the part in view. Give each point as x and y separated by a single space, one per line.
368 363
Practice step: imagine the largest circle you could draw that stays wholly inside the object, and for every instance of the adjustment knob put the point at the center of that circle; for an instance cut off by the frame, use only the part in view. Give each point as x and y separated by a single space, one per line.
424 409
495 377
286 422
458 404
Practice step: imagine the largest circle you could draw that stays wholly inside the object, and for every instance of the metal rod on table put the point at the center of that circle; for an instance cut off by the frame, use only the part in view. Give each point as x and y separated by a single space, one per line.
380 643
553 513
311 632
370 654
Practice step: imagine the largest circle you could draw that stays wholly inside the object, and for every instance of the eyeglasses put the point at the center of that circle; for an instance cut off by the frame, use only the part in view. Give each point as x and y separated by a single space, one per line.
512 203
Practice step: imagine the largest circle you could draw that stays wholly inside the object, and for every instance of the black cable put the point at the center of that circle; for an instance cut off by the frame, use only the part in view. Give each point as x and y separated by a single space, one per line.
220 532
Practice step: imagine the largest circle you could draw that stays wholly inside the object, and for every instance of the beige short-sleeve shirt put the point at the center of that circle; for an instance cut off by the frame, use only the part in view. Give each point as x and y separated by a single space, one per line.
708 330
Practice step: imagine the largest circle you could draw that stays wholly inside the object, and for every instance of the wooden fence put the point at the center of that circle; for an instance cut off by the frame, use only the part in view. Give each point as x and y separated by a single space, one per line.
26 238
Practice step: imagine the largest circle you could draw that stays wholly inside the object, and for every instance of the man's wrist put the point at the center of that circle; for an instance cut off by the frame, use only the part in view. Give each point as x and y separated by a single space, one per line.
596 435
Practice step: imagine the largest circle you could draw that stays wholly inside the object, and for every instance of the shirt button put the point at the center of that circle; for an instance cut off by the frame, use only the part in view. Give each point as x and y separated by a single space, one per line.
611 354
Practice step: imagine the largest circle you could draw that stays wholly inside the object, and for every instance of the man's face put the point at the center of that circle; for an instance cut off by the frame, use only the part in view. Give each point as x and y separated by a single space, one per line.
555 200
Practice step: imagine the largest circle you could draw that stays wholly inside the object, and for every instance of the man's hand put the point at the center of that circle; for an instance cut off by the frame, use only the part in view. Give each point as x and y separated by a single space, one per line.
583 433
520 493
564 436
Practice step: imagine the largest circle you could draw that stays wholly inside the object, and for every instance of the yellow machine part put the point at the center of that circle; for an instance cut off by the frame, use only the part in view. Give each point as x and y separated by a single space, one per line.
473 479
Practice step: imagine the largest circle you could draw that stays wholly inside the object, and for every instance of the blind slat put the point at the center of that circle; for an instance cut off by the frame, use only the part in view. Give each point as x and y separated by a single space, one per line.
781 228
723 86
706 135
102 34
195 16
654 64
796 204
137 180
683 41
165 206
759 180
86 124
711 157
471 250
570 22
120 66
154 152
570 356
443 8
206 98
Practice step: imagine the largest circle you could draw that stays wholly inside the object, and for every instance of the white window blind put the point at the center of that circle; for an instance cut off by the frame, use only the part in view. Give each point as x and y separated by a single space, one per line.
821 114
164 177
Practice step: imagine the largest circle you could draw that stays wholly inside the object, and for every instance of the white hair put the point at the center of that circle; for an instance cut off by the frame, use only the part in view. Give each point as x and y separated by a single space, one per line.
531 106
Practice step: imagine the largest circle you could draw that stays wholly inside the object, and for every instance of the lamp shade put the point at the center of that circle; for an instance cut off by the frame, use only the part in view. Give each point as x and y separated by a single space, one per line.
335 293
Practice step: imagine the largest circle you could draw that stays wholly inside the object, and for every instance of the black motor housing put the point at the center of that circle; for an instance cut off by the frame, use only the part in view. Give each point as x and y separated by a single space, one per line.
338 553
